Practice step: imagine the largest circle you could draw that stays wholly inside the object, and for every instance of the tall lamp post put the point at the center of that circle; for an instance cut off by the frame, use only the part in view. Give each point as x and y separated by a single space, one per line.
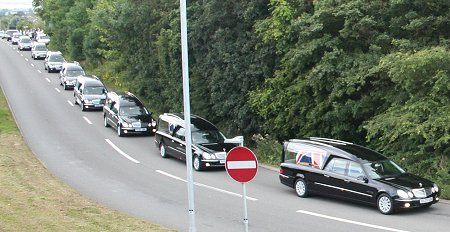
187 115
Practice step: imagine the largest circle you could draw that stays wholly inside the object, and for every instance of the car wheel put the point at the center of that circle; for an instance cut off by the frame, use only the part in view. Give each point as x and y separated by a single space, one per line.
162 150
65 86
105 121
197 163
83 108
385 204
75 101
45 67
119 130
49 71
300 188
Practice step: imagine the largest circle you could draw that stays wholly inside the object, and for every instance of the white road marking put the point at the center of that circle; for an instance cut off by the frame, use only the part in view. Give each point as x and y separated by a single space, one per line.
121 152
48 80
39 71
26 59
241 164
205 186
32 65
57 90
349 221
70 103
87 120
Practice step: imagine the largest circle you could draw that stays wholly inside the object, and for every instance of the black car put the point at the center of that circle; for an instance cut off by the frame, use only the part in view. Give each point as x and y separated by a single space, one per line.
352 172
89 92
125 113
208 143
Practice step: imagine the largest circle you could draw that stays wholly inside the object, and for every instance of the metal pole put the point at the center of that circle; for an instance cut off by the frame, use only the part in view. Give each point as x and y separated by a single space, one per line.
244 194
187 115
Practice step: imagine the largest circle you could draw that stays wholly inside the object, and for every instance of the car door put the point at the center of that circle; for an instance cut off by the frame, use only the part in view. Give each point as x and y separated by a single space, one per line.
114 114
334 179
178 144
358 185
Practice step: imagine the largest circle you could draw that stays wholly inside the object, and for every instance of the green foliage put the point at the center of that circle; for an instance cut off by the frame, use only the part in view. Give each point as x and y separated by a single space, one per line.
371 72
268 150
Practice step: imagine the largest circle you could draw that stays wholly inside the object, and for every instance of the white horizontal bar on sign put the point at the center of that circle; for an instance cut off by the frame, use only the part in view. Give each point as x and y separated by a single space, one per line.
241 164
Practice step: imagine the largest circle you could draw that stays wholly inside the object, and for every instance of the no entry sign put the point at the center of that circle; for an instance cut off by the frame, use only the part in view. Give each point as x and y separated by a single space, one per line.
241 164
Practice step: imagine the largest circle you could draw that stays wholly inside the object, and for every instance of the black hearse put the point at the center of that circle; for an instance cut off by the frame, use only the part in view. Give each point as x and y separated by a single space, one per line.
352 172
209 148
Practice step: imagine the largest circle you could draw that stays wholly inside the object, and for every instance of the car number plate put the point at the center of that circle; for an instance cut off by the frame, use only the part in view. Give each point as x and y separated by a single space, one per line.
426 200
222 161
141 129
99 105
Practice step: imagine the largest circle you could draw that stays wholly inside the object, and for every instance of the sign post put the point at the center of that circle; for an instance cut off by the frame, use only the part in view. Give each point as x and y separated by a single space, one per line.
242 165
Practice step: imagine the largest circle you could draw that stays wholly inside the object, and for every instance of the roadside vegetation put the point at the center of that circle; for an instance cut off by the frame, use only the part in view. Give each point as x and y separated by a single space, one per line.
374 73
33 200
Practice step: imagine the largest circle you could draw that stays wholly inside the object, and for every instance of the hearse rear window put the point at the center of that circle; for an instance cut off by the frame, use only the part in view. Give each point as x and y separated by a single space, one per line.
305 155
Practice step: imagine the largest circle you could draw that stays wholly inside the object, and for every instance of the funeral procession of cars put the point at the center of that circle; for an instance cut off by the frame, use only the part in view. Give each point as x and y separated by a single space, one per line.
311 166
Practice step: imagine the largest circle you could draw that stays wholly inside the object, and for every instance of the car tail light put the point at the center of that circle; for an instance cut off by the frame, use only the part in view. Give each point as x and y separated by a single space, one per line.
281 171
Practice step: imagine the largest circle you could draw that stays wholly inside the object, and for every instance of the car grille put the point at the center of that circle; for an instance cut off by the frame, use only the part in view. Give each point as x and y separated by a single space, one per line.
221 155
136 124
422 192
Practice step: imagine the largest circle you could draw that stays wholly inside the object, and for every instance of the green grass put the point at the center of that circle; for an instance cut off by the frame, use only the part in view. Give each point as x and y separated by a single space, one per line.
33 200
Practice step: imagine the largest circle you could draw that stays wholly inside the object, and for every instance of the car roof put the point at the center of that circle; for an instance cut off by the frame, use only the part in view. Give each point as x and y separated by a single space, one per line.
72 66
125 98
90 81
342 149
198 122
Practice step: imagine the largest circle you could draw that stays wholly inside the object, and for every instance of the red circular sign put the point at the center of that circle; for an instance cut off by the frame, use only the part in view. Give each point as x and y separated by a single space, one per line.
241 164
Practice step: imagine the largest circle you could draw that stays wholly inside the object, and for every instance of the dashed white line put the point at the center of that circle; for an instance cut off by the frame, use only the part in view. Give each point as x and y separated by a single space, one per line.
48 80
70 103
32 65
349 221
39 71
205 186
57 90
121 152
87 120
26 59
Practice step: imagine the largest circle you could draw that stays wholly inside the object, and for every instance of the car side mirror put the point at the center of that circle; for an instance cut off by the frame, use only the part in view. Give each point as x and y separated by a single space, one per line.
236 140
363 179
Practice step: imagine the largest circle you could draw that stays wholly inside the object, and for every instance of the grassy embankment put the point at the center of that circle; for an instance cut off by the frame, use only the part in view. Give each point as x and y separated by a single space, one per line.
33 200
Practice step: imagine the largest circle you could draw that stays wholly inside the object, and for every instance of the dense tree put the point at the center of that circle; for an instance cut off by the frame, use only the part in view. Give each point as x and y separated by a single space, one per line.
371 72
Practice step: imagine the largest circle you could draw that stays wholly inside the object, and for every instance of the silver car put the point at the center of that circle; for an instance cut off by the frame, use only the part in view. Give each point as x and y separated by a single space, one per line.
39 51
53 61
24 43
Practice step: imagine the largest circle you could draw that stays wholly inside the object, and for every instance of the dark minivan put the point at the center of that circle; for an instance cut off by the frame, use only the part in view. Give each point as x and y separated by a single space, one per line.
209 147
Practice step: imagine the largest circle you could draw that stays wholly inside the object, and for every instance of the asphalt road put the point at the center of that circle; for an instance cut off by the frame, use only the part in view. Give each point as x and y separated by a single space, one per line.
128 174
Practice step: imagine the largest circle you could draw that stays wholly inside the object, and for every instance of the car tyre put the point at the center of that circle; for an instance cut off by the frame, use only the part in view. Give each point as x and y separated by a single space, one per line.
83 108
197 163
162 150
385 204
119 131
75 101
301 188
105 121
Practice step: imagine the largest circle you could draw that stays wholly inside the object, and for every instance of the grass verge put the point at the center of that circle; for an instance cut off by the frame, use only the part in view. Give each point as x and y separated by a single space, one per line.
33 200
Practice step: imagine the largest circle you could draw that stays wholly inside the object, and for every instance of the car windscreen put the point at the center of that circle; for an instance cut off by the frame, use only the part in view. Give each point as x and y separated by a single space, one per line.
209 136
25 40
132 110
56 59
94 90
382 169
74 73
40 48
44 37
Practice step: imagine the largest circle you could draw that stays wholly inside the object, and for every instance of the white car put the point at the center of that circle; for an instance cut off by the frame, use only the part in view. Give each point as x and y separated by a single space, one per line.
43 38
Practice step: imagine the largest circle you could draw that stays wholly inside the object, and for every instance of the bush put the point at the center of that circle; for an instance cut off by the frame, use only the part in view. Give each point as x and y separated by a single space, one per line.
268 150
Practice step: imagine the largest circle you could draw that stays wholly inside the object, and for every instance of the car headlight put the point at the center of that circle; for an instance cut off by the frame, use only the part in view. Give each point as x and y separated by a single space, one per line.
206 155
435 188
402 194
154 123
126 124
88 101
